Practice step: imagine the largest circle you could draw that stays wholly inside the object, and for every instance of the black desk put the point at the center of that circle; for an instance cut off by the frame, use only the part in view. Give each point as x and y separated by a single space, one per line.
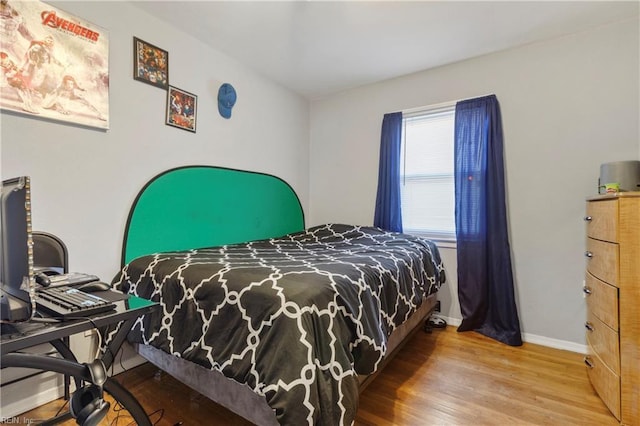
16 337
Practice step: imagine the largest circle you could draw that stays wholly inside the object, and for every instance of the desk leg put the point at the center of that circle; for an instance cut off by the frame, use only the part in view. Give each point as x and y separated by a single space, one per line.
128 401
80 371
114 345
67 378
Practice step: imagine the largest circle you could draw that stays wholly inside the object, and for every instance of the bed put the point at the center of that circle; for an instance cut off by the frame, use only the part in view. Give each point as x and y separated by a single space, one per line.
280 324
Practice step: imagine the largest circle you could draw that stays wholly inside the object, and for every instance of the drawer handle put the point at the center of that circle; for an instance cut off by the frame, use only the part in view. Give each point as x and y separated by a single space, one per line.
586 290
588 254
588 218
588 362
588 326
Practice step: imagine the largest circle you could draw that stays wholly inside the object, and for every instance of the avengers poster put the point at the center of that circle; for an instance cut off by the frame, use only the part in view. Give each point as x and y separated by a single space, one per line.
54 65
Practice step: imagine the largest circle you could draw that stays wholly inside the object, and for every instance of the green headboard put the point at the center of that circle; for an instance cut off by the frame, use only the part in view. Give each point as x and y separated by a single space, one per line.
203 206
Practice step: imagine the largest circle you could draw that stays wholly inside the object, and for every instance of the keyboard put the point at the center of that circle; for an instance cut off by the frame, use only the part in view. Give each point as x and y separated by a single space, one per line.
68 302
71 279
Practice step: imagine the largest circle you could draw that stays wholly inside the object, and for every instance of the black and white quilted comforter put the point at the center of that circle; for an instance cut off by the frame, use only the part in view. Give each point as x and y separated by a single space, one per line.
296 318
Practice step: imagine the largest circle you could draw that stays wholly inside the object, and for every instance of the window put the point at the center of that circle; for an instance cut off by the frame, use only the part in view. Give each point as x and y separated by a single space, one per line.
427 182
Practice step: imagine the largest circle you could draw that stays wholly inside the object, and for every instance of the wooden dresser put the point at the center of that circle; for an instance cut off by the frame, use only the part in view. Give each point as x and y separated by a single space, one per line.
612 291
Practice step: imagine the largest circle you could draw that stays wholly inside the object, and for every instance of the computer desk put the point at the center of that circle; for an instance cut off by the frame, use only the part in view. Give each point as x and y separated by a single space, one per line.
18 336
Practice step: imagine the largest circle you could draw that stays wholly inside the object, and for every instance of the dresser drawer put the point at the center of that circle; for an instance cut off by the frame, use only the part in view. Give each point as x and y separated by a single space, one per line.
603 260
602 220
604 342
604 381
602 300
612 287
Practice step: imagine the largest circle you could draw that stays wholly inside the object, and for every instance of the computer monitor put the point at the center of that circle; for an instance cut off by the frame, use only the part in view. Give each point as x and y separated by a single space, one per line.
16 251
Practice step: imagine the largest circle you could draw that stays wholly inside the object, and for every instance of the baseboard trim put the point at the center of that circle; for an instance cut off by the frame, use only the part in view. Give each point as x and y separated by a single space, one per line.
535 339
554 343
450 321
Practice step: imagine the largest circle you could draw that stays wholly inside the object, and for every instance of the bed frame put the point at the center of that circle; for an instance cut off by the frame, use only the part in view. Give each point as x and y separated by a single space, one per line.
203 206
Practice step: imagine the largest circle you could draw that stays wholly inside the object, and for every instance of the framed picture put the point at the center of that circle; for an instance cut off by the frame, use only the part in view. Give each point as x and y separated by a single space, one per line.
54 65
150 64
181 109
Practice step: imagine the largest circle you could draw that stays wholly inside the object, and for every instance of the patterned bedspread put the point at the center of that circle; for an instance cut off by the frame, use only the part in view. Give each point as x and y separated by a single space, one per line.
296 318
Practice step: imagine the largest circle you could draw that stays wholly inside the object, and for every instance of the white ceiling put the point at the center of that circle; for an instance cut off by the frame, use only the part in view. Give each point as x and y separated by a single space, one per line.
317 48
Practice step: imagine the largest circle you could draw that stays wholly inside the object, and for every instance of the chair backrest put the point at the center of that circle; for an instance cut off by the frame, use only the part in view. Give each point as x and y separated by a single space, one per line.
49 252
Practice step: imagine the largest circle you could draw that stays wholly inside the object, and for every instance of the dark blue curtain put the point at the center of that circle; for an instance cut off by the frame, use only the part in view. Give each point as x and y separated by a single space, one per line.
388 213
485 277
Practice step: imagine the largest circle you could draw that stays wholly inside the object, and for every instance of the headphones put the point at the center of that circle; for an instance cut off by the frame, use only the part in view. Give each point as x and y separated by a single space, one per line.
87 405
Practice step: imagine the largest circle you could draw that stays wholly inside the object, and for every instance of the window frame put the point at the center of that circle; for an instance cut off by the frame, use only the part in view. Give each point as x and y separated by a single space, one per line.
442 239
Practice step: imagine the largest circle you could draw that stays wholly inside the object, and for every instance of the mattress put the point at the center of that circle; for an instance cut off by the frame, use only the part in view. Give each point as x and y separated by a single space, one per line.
296 319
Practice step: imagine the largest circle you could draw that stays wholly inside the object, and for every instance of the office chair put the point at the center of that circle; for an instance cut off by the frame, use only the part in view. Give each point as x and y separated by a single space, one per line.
49 252
50 255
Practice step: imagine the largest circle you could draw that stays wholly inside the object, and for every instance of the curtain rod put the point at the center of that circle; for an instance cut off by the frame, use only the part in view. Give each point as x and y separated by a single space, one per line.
440 105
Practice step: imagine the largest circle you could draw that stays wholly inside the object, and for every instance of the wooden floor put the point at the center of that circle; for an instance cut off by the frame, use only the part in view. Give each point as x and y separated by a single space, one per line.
444 378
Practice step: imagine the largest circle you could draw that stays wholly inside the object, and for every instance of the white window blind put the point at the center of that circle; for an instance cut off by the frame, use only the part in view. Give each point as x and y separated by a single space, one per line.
427 185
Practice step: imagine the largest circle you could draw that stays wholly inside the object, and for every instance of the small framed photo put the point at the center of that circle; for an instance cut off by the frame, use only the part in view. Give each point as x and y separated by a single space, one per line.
181 109
150 64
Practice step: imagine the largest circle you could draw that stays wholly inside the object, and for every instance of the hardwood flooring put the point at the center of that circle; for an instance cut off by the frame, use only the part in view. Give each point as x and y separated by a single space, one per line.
444 378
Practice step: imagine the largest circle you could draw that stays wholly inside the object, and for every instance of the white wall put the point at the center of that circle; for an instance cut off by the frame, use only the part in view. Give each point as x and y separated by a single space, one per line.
568 105
84 181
